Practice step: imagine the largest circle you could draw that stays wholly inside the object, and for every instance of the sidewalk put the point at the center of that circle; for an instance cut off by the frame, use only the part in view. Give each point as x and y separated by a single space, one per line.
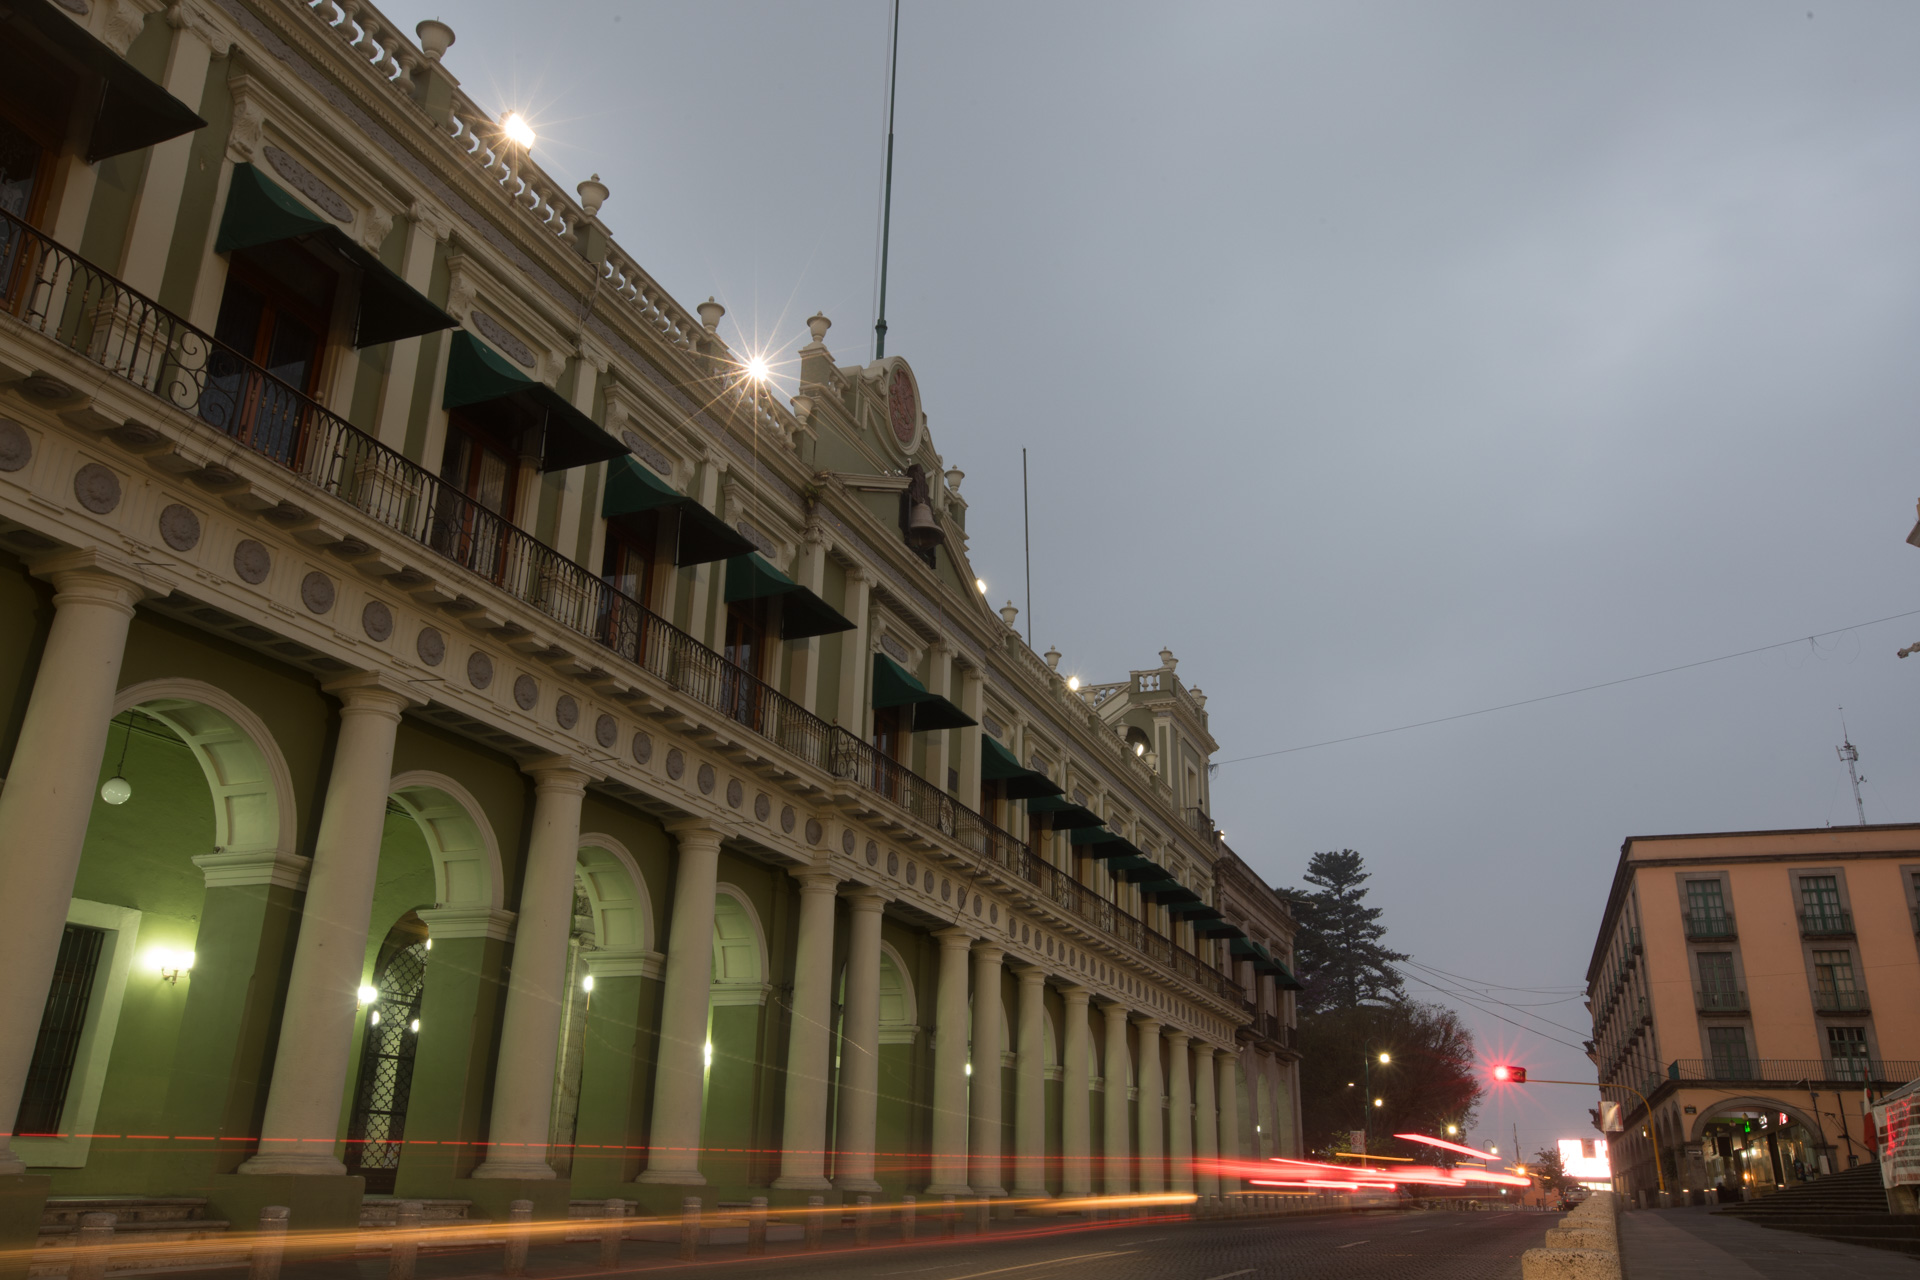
1687 1244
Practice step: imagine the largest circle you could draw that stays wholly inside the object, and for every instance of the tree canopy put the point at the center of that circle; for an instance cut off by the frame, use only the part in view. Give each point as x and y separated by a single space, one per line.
1428 1083
1339 955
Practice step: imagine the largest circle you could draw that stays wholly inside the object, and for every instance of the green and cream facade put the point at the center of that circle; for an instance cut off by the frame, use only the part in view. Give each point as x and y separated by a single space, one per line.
495 670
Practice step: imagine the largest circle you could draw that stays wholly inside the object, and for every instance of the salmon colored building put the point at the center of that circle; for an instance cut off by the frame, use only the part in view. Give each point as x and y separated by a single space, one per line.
1750 990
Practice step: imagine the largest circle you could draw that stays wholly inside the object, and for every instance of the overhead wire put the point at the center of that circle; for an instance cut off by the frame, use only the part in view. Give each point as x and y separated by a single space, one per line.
1564 693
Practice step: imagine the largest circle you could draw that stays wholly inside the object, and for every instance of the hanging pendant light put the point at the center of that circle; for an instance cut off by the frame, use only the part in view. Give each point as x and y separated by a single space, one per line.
117 790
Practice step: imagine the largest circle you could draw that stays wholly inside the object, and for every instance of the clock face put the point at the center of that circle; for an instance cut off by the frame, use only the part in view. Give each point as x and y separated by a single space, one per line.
903 407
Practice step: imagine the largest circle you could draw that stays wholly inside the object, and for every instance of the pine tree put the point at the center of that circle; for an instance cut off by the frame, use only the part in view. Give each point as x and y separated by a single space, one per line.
1338 951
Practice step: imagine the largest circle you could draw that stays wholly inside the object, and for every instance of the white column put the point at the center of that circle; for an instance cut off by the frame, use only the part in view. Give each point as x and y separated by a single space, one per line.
1206 1150
860 1045
803 1140
519 1132
1030 1095
950 1067
988 1012
1153 1165
316 1028
48 799
856 660
143 261
680 1066
1230 1151
1076 1097
1179 1112
972 701
1116 1172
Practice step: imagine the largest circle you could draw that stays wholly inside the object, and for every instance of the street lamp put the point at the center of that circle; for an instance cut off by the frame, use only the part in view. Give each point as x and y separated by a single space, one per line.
1367 1056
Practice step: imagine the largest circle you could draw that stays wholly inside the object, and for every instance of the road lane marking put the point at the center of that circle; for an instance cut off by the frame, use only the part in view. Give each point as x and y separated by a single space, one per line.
1044 1262
1352 1243
1231 1274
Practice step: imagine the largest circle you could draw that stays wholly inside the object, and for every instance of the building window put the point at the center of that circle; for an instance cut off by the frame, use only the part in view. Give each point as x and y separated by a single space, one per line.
1834 987
44 1101
475 510
1717 988
745 647
1847 1046
273 318
1820 903
1706 908
1728 1045
627 567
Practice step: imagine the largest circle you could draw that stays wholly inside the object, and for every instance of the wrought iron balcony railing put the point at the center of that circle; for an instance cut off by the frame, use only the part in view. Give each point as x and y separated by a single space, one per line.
1831 923
1793 1070
1720 1000
1710 924
1831 1000
63 297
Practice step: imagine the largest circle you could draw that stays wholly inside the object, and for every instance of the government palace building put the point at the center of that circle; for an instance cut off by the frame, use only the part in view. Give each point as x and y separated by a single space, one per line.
467 739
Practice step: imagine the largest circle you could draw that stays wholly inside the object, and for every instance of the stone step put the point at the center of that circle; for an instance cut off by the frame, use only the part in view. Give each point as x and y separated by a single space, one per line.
383 1212
127 1210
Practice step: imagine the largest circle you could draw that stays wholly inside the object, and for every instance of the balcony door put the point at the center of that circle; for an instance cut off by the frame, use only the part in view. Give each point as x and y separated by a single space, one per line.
746 651
472 521
271 334
628 567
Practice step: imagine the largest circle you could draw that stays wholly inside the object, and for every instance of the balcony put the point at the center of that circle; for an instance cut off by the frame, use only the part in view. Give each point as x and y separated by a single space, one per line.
1802 1071
1830 1000
1830 923
74 304
1710 924
1202 824
1719 1000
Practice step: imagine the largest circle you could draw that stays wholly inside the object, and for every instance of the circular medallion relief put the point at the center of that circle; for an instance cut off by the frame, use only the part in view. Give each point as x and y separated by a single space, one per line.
566 711
735 793
376 620
873 854
788 818
642 747
526 692
893 863
913 873
179 527
976 904
993 915
431 646
479 670
1026 934
251 561
676 763
316 592
846 843
705 779
946 890
96 488
16 446
903 406
762 807
606 730
814 829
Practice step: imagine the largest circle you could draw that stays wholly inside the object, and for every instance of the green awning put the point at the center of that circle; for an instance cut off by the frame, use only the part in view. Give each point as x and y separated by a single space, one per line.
1219 929
261 212
1168 891
1066 814
802 613
997 764
50 64
1195 911
1244 947
481 381
895 686
1094 835
1145 875
704 537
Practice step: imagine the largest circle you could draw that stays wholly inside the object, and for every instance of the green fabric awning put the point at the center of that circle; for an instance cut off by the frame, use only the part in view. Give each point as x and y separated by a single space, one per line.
895 686
1145 875
997 764
802 613
1168 891
1066 814
261 212
704 537
1131 862
45 56
1094 835
1195 911
481 381
1243 947
1219 929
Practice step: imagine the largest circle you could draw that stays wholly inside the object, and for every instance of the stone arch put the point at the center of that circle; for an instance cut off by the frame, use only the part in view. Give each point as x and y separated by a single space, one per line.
899 1012
252 787
739 943
611 880
1749 1103
466 857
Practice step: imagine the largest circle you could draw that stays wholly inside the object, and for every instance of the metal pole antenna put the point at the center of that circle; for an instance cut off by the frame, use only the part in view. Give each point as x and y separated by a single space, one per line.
1026 537
1851 754
886 214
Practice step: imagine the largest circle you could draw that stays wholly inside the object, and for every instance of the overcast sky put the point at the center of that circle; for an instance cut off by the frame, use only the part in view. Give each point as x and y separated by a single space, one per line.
1385 361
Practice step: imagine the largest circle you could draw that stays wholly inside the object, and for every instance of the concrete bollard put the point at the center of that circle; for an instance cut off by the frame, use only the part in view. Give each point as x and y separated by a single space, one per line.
90 1246
862 1220
816 1222
1583 1237
405 1254
519 1236
271 1247
982 1216
949 1218
757 1226
1569 1264
690 1228
613 1233
907 1207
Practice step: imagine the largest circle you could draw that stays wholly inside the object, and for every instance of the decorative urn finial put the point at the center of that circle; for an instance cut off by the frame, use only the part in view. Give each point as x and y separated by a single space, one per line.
710 313
593 194
436 37
817 325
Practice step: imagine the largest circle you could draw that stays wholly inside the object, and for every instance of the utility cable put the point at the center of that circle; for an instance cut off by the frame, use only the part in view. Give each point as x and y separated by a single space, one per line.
1565 693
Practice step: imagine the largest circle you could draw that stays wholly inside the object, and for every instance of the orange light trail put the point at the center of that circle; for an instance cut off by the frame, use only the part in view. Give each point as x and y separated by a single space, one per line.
1424 1140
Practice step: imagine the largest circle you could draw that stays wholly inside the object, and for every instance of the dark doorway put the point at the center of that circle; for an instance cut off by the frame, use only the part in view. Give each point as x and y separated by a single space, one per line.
379 1125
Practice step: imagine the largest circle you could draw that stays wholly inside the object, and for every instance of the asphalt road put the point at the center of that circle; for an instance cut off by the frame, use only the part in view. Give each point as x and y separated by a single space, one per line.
1402 1245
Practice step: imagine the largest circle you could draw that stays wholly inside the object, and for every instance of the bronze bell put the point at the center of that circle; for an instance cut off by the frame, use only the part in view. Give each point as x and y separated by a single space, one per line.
923 531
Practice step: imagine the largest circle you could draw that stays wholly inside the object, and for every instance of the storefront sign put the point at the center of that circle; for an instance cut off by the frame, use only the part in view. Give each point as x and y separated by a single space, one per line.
1895 1126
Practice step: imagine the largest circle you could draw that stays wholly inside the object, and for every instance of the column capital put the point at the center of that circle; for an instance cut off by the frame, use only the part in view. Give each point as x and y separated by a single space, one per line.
1225 1054
96 574
1114 1008
571 773
1177 1039
1030 974
862 897
374 691
813 880
1145 1023
989 952
954 938
1076 995
697 832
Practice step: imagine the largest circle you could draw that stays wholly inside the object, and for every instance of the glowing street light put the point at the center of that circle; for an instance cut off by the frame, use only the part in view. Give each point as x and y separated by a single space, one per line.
518 131
1385 1058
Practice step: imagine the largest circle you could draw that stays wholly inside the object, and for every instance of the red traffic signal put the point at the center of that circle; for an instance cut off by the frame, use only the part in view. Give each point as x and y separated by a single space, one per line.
1510 1075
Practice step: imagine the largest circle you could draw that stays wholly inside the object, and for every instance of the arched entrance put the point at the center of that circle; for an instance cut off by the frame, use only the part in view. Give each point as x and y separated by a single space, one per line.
1756 1146
391 1035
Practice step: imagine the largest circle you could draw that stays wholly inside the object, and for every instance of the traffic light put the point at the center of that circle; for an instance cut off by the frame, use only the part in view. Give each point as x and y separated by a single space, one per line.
1510 1075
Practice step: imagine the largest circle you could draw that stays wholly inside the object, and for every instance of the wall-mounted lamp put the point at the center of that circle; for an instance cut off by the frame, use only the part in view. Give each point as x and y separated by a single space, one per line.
169 963
586 983
367 995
